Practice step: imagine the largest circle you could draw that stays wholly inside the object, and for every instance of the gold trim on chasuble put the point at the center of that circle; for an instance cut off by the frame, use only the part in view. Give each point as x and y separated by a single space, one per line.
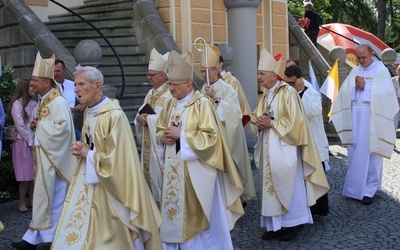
43 110
77 212
268 192
182 213
154 100
181 210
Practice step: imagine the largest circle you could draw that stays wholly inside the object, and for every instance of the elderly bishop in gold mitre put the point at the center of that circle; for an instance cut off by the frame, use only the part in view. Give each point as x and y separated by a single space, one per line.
146 117
291 174
201 189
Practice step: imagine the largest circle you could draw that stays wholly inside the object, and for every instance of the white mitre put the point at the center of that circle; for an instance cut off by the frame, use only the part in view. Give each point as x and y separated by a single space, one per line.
158 62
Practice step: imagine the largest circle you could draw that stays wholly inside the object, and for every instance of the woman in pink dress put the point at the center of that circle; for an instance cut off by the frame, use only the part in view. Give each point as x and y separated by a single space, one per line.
22 111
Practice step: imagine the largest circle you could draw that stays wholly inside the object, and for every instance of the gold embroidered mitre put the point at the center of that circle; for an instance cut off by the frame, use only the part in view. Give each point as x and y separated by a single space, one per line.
212 57
269 63
44 67
158 62
180 67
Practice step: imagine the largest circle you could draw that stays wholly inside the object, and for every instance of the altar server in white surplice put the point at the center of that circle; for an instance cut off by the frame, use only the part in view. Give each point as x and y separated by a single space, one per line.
225 101
291 173
201 189
145 123
311 100
363 117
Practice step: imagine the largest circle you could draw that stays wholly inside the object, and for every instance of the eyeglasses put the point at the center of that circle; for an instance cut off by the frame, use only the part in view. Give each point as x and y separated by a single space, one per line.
292 83
152 75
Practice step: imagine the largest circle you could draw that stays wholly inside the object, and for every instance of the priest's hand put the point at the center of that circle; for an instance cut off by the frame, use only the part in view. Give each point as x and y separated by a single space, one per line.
80 149
360 83
210 91
142 119
171 135
34 123
263 122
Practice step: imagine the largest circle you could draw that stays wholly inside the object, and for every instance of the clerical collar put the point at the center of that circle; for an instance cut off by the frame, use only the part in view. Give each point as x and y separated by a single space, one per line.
369 66
182 102
97 103
271 91
223 73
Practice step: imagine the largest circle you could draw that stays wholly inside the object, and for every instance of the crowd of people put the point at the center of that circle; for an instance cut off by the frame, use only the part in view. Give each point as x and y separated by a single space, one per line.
193 178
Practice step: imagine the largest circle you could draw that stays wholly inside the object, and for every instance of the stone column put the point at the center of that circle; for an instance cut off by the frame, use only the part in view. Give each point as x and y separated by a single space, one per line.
242 37
337 52
388 57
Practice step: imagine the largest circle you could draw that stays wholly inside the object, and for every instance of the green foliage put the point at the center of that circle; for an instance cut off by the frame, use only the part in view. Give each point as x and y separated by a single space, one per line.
296 8
359 13
8 184
392 34
7 84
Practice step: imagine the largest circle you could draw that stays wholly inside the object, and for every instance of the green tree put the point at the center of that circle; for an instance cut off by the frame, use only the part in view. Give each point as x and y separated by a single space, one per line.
392 31
8 184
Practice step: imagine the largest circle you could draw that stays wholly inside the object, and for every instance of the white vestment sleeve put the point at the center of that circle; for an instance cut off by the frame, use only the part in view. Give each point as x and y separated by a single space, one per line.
220 111
36 140
91 175
367 92
187 153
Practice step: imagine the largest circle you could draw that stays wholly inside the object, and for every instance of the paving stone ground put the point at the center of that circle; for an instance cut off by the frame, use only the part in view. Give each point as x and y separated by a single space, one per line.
349 225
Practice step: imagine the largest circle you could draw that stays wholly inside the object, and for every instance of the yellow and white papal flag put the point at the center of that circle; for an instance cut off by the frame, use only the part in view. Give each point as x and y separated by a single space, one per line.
330 87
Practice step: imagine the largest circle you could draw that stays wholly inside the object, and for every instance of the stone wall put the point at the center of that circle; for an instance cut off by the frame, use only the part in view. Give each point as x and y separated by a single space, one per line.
16 47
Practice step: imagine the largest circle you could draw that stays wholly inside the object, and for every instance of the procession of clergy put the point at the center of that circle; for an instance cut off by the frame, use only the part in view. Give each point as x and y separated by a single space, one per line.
193 178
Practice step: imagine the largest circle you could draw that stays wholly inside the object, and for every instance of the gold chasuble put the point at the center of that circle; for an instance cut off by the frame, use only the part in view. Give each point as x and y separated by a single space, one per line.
112 213
188 186
234 82
53 156
277 160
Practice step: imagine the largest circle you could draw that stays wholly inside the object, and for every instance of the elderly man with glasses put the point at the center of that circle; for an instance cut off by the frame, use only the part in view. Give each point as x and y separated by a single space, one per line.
146 118
201 188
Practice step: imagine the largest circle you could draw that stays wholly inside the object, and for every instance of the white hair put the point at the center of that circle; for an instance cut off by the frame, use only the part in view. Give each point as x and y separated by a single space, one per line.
92 74
308 4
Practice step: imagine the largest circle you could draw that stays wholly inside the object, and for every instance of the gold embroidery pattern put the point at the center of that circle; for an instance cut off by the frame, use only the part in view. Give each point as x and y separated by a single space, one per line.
43 110
268 176
172 193
146 155
152 100
54 166
77 218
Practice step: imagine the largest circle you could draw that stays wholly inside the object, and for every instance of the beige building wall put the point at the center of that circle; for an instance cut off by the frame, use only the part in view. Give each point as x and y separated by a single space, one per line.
187 20
272 28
